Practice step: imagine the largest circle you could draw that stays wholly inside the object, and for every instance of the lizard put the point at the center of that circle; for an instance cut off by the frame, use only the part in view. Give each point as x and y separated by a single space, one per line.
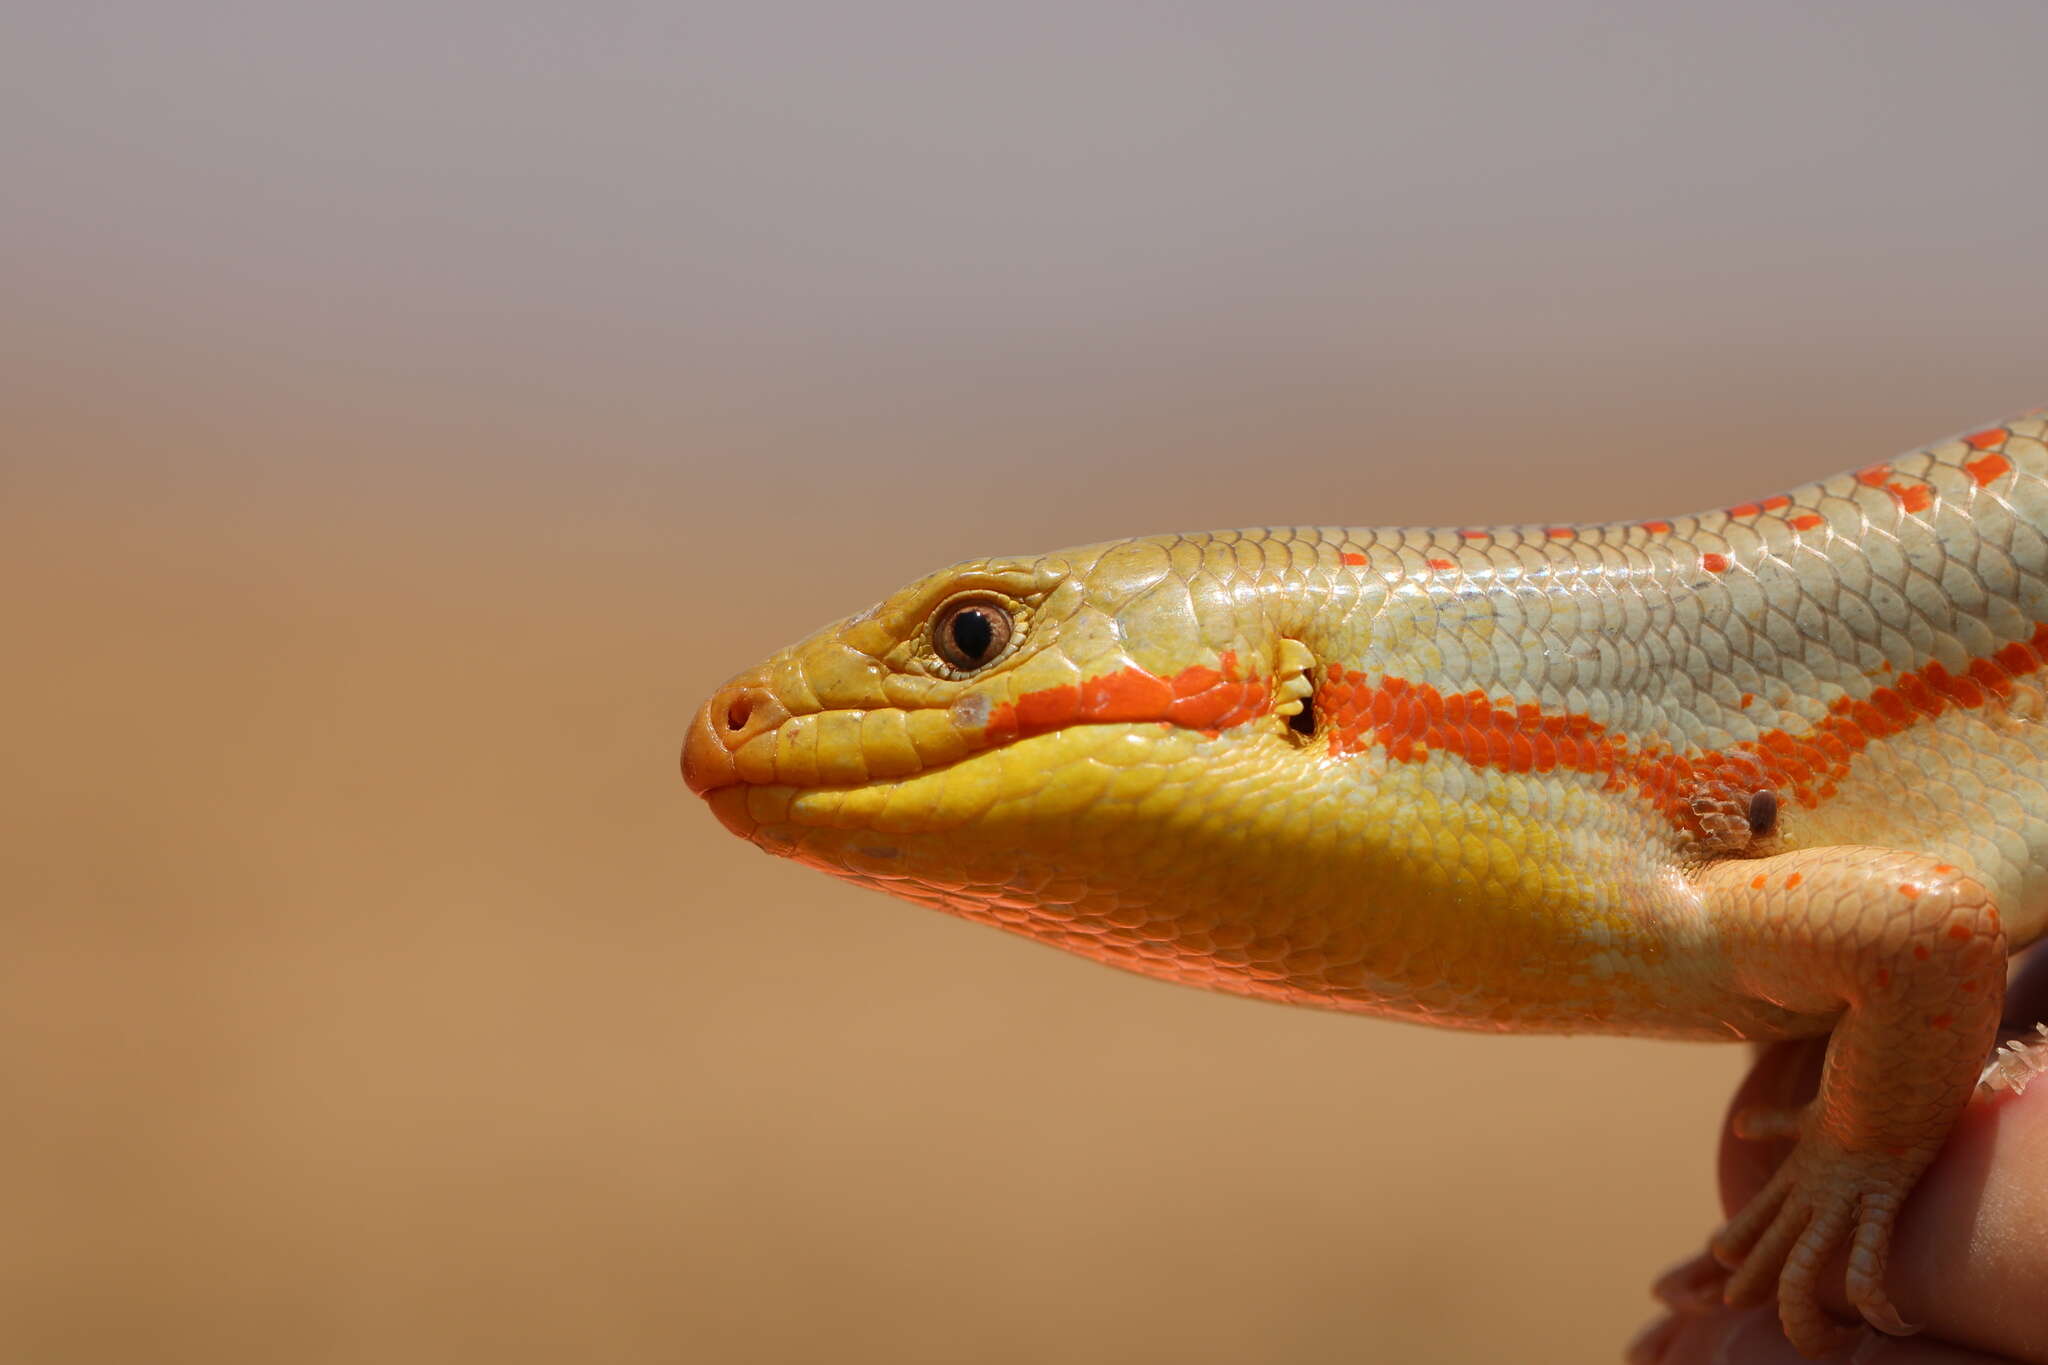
1772 771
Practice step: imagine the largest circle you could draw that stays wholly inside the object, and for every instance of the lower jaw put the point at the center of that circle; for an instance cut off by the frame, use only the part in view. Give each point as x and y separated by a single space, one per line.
729 804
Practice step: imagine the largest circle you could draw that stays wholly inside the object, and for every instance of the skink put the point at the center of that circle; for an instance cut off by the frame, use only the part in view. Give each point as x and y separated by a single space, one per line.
1772 771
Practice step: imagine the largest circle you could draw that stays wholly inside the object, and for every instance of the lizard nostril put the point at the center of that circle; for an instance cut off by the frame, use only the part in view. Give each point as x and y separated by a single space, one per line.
738 715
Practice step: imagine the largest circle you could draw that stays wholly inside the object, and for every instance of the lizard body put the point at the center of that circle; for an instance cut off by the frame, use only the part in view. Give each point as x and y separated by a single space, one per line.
1771 771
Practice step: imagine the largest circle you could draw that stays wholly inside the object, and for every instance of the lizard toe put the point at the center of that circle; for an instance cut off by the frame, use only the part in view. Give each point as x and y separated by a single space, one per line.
1809 1325
1766 1258
1868 1252
1731 1246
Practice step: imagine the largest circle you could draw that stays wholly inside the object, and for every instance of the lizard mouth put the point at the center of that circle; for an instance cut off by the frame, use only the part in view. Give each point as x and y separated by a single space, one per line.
745 734
729 804
770 816
746 808
940 796
746 712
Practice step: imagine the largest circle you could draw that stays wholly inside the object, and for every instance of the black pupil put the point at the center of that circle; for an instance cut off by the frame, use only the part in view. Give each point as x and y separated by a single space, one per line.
973 633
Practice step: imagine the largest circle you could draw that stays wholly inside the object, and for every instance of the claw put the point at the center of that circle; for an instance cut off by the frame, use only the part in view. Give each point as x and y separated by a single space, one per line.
1782 1240
1867 1254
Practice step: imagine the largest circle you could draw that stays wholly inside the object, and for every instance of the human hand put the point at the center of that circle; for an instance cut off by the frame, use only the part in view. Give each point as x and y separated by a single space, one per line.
1969 1262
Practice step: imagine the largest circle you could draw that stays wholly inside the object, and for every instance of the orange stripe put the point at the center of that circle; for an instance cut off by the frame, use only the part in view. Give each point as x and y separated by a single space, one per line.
1410 720
1198 698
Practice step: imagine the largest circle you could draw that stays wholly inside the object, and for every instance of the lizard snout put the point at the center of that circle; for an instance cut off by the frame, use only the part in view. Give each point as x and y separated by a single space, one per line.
737 713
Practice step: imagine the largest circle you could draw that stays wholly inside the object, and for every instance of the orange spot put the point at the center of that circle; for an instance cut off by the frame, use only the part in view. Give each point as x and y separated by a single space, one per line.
1806 521
1914 497
1747 699
1920 953
1985 439
1714 563
1793 880
1960 932
1758 883
1441 564
1657 528
1560 533
1745 509
1988 468
1775 501
1941 1021
1908 890
1353 558
1944 867
1884 976
1474 535
1875 475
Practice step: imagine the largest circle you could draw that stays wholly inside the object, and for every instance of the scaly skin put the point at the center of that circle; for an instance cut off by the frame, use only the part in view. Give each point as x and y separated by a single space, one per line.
1502 779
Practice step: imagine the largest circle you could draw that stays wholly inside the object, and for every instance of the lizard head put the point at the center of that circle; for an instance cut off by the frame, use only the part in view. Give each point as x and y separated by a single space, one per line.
1059 745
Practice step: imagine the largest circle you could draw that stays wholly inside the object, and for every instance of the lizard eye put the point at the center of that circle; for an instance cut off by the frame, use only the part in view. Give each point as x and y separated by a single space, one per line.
970 634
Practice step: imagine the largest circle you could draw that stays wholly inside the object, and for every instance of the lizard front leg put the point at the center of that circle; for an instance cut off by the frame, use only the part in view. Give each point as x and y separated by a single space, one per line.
1909 952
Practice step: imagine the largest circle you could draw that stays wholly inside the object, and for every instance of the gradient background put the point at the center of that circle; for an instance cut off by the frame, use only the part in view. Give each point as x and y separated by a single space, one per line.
410 412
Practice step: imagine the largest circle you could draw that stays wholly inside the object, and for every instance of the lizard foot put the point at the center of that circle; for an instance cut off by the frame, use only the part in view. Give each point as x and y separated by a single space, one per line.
1823 1197
1908 957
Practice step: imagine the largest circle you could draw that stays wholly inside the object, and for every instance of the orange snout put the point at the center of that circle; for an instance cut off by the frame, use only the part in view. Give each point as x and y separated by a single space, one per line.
736 713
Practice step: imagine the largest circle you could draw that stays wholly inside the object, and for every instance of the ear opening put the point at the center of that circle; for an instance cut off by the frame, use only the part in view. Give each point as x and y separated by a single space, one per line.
1294 690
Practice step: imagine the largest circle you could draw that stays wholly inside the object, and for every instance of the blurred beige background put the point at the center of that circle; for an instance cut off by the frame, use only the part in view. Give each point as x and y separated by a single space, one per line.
408 413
